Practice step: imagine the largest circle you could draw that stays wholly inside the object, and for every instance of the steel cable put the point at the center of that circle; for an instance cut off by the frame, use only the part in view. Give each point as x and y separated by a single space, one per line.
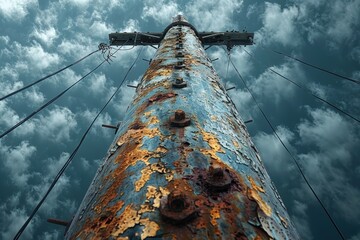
60 94
48 76
316 67
288 151
304 88
62 170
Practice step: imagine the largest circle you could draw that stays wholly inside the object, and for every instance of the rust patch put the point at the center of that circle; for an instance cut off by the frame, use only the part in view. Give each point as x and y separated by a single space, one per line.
254 195
151 87
129 218
255 186
215 214
156 195
150 169
161 97
214 145
158 70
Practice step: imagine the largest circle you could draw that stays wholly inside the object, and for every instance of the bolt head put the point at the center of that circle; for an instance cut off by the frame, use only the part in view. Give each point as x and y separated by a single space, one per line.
178 207
218 179
177 201
179 115
179 119
179 80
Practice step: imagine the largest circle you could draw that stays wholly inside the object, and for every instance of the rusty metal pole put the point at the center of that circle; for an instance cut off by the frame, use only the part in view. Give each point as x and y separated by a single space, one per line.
182 165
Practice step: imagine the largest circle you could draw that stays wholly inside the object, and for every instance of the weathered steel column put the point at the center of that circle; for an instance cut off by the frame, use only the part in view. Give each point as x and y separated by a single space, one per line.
182 165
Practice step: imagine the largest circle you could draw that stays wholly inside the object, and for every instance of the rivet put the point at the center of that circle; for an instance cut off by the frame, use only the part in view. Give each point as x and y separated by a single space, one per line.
179 119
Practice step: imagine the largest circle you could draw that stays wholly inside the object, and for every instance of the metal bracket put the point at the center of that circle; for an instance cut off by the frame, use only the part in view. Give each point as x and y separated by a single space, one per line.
112 126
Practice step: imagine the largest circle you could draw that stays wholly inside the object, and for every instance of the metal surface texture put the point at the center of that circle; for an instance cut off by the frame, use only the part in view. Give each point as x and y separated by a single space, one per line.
182 165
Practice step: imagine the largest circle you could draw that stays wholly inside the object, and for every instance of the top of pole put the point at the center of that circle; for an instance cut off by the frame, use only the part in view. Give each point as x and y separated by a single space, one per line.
227 38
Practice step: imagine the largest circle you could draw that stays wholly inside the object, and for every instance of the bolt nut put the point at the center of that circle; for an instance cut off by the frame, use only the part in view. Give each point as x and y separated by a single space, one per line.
177 201
179 54
179 119
179 83
179 80
179 65
218 179
178 207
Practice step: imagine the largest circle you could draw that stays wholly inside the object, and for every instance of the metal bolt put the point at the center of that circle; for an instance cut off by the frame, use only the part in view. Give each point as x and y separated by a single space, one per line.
218 179
179 83
177 201
178 207
179 115
179 80
179 119
179 54
179 65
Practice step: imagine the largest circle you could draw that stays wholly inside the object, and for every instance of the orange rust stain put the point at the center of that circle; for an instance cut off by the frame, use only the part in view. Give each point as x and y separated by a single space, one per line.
129 218
153 120
254 194
150 169
236 144
156 195
148 114
150 229
161 97
255 186
215 214
157 70
283 221
151 87
130 153
145 176
214 145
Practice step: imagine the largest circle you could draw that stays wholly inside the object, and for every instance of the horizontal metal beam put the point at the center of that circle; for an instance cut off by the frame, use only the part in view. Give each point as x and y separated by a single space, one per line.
230 39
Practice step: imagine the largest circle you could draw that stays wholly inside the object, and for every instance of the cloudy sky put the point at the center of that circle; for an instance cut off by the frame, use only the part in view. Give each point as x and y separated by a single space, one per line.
39 37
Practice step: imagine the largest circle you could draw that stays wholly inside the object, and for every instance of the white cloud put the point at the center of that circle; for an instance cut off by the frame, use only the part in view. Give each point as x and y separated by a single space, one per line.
161 11
272 87
123 99
46 36
40 59
274 155
239 58
130 25
16 160
12 220
34 97
355 54
98 84
56 124
104 118
344 20
53 201
16 10
10 118
279 25
100 29
212 15
326 130
5 39
327 168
